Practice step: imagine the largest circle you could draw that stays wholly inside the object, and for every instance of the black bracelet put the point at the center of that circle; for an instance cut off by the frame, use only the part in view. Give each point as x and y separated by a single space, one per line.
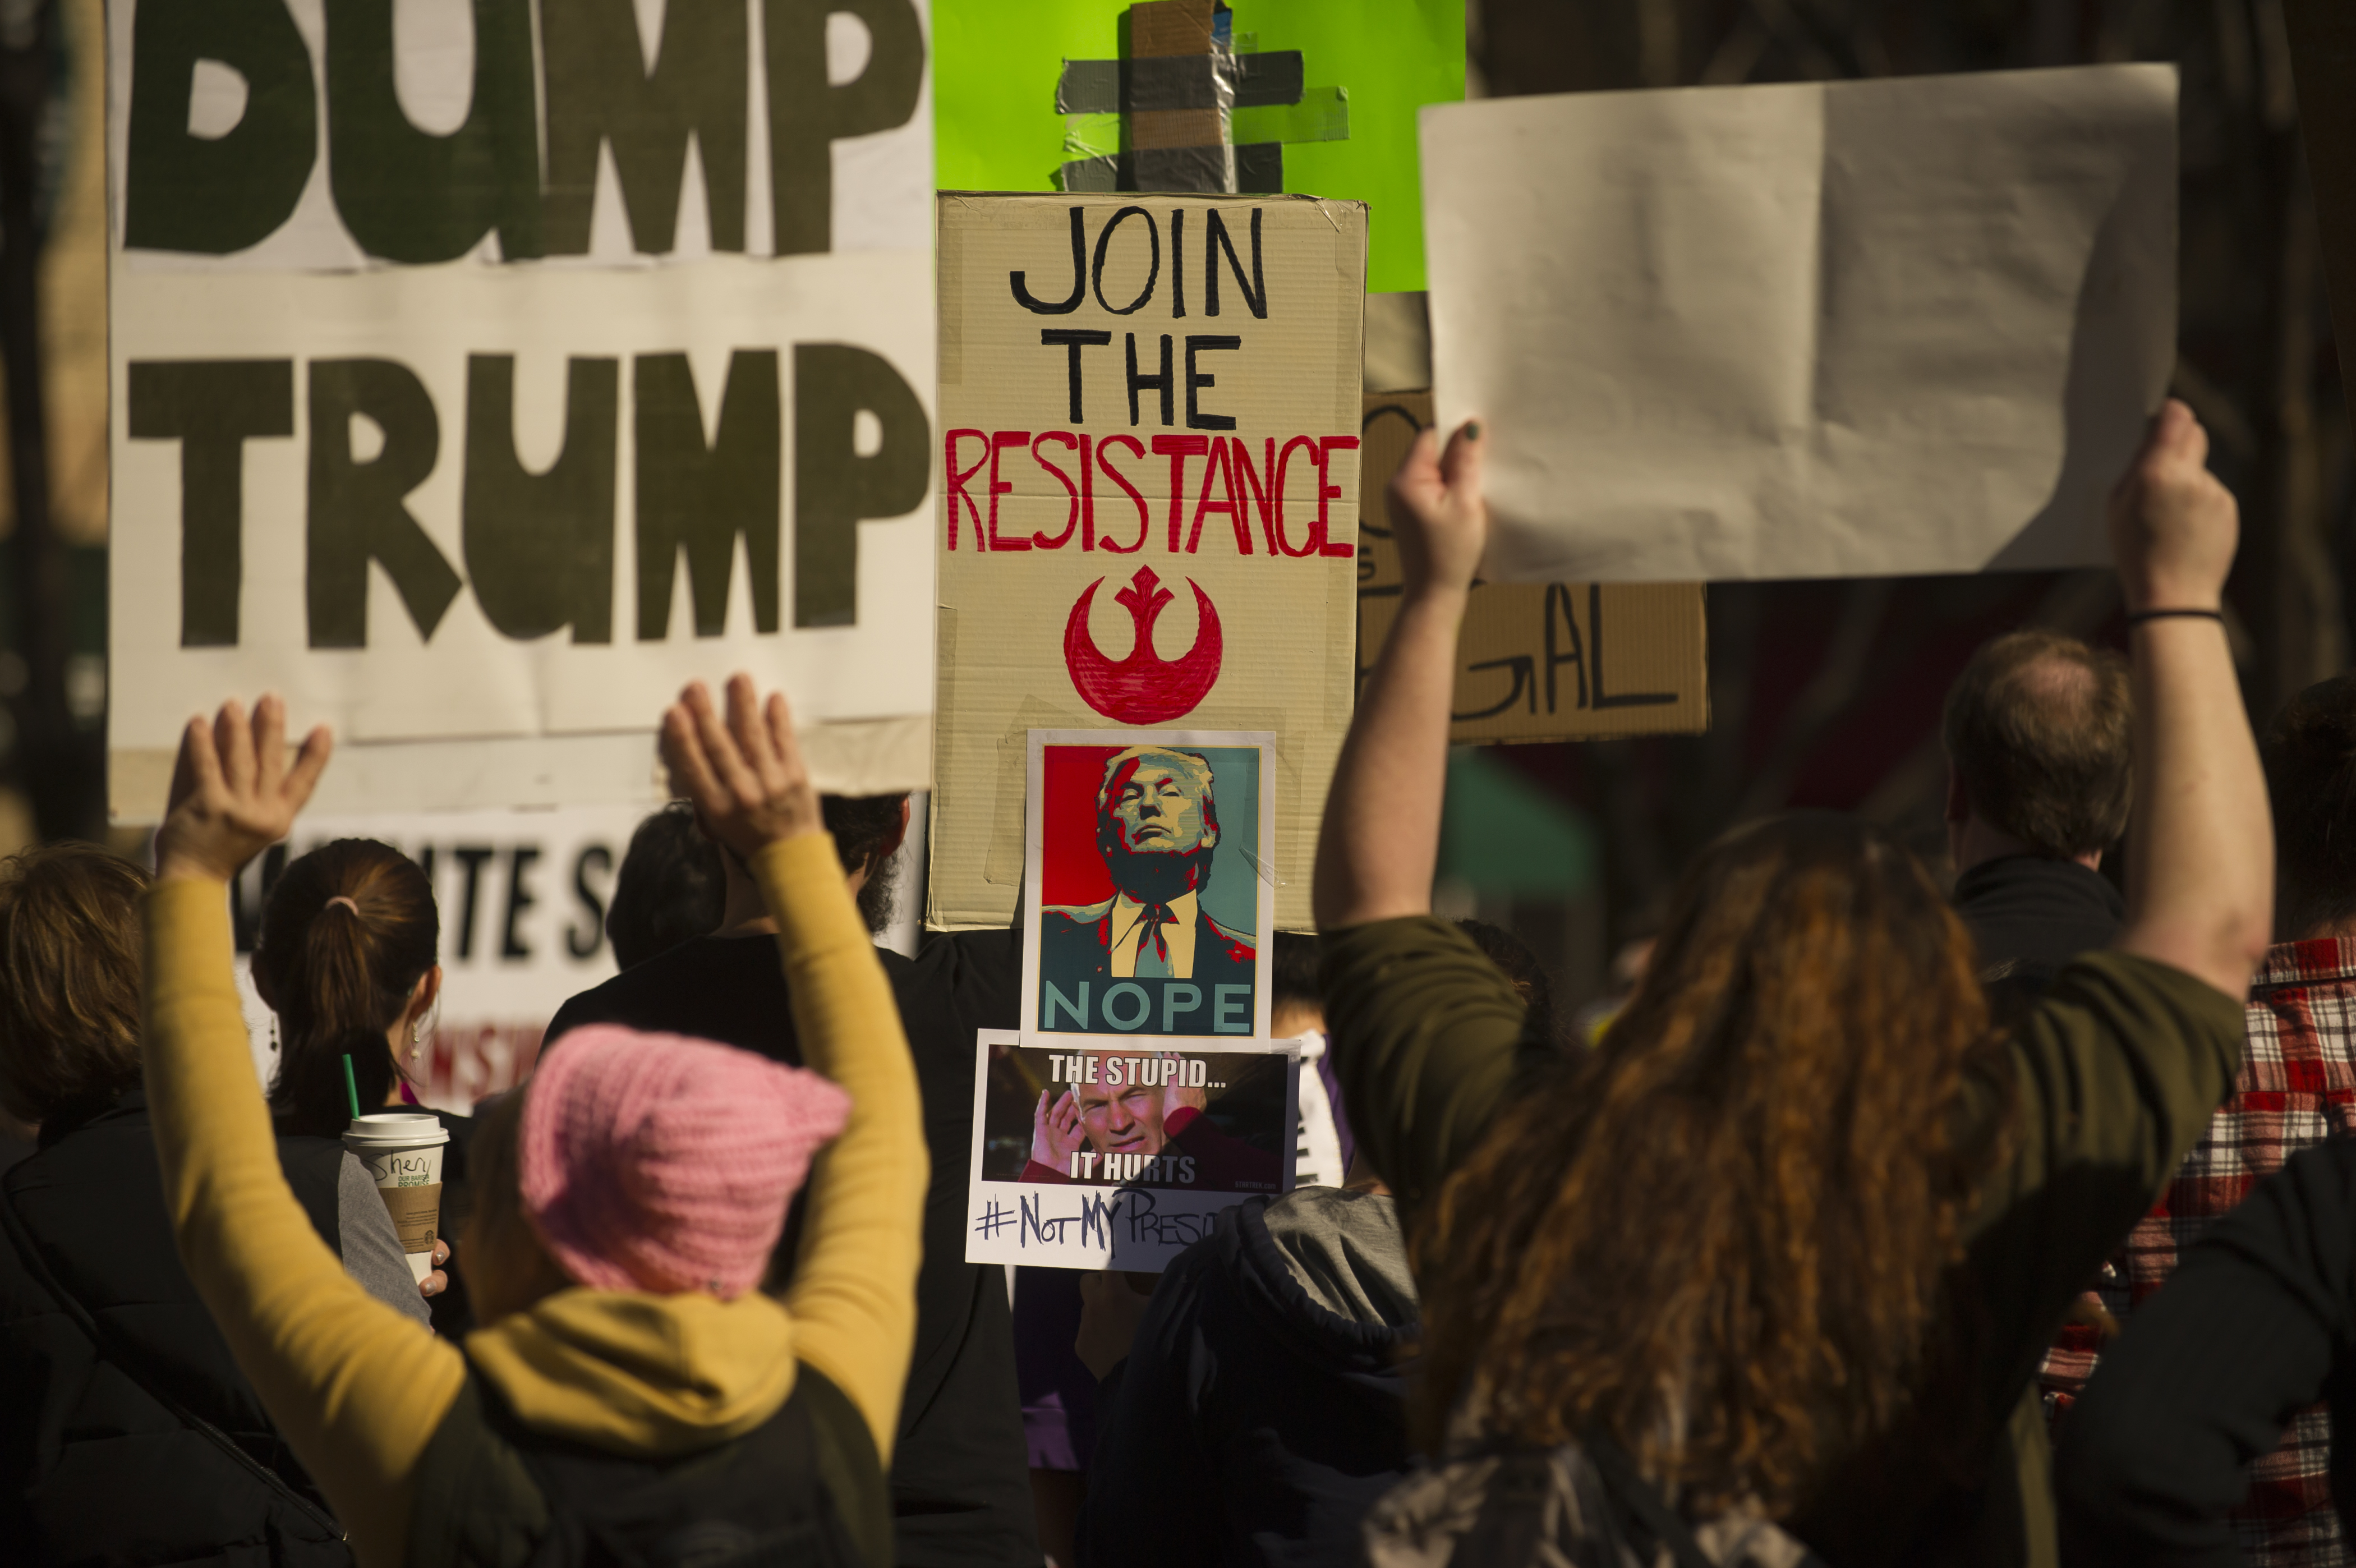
2140 616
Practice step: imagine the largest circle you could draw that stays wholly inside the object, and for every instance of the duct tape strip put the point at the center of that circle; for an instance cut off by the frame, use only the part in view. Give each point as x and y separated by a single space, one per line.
1265 79
1193 171
1093 136
1178 81
1106 172
1207 171
1259 168
1089 87
1322 115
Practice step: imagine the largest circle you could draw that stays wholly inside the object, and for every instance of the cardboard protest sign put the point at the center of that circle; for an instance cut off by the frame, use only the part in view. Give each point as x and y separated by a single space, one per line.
1267 95
1537 661
1814 330
1121 1159
1141 522
483 380
1150 889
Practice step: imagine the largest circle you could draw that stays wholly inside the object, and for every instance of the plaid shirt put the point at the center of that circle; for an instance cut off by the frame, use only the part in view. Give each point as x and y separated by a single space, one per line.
2297 1087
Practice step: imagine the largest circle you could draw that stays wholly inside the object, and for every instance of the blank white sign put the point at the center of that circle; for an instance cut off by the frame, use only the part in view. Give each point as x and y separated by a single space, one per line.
1822 330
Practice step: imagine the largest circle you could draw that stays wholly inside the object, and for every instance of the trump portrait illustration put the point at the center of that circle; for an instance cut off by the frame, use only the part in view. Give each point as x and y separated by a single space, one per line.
1150 872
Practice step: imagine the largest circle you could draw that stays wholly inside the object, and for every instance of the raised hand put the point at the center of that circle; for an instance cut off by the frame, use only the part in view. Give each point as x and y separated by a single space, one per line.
2173 526
1438 513
1056 1131
743 774
233 795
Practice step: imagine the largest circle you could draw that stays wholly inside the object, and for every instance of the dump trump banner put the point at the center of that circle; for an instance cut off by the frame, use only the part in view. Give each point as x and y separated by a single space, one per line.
483 373
1149 483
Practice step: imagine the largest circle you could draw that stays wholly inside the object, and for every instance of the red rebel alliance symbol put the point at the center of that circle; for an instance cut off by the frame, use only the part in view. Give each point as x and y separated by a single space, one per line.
1143 689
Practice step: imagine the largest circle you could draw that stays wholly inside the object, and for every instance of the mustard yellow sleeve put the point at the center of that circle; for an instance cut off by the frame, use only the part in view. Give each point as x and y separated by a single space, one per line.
355 1388
853 1298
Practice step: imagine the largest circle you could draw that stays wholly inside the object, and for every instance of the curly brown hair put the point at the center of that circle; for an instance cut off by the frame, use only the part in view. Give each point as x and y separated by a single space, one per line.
1723 1237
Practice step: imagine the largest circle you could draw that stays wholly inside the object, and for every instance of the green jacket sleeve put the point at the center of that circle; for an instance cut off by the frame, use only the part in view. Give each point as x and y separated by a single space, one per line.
2116 1074
1425 1034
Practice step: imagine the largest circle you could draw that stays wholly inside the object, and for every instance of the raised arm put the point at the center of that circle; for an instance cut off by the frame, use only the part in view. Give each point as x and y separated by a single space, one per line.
1424 1028
853 1296
355 1387
2199 869
1381 837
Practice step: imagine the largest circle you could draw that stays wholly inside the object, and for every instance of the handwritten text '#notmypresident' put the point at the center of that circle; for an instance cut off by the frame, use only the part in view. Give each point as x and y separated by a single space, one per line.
1243 485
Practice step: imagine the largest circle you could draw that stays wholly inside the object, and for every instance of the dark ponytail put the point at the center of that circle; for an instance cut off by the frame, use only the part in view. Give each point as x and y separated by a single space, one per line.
350 931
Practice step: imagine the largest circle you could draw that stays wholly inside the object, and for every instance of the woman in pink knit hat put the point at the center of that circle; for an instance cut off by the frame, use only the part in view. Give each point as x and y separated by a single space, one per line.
631 1395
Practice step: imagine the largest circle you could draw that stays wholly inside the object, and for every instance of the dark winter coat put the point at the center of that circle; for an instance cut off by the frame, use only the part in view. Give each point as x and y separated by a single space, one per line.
95 1465
1262 1408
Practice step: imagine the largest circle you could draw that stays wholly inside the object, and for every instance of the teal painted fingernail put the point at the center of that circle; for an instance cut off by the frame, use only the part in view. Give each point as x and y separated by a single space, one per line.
1471 430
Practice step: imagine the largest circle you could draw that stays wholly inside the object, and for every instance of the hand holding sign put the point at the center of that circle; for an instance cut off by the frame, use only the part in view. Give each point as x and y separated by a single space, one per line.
2173 524
1437 513
232 794
745 776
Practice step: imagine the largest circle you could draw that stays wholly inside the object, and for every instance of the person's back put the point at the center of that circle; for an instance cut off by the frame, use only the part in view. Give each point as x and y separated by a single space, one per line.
2296 1090
1790 1241
631 1389
2038 789
1267 1387
959 1482
346 963
108 1359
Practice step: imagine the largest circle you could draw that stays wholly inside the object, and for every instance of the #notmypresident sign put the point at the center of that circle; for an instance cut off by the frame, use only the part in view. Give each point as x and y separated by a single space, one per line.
483 373
1147 517
1121 1156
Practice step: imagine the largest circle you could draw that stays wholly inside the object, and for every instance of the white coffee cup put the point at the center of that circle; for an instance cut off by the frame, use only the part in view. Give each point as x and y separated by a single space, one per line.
402 1151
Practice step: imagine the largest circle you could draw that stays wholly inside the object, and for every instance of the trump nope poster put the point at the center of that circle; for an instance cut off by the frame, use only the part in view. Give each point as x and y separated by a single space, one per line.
1148 482
483 371
1148 904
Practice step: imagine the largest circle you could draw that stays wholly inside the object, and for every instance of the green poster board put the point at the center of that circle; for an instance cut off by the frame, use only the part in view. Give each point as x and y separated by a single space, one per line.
1366 67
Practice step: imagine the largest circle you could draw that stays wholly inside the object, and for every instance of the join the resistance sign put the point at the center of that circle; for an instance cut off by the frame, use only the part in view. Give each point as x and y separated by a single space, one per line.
1147 473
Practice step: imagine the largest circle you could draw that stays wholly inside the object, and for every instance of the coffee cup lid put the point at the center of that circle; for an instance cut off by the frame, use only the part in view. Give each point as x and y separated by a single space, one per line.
406 1129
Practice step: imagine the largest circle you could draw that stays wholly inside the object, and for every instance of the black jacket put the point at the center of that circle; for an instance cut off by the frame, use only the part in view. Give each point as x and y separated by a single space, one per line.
2031 917
960 1491
2257 1322
94 1467
1252 1423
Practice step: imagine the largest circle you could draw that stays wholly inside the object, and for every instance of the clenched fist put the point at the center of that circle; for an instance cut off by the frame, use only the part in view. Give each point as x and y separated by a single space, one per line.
2173 525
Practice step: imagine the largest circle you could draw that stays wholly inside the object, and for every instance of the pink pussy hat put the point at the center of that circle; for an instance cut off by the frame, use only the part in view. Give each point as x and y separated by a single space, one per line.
659 1163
